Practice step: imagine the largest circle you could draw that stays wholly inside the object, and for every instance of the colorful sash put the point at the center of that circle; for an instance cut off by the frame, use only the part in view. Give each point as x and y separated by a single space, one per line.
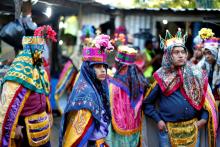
183 133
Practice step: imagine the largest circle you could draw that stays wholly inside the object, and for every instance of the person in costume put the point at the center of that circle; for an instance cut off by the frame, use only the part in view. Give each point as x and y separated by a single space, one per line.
65 85
87 115
198 59
212 57
185 101
212 64
25 114
70 71
127 89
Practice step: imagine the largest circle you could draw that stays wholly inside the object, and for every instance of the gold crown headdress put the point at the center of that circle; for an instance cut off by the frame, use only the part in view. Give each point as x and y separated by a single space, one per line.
169 40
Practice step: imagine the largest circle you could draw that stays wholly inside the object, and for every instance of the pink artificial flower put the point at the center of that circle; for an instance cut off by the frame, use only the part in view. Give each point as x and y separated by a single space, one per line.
46 31
103 41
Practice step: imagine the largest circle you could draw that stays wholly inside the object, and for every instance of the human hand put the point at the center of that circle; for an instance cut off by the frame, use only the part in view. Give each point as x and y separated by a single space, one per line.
18 132
161 125
201 123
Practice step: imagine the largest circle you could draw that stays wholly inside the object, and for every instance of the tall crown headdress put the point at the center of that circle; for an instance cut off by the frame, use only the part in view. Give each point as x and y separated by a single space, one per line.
171 41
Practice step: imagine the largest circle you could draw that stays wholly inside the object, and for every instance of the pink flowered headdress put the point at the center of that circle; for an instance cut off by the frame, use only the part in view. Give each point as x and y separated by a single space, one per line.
95 50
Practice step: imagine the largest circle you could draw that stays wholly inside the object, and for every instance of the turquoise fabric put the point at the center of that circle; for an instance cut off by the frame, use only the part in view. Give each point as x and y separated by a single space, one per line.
116 140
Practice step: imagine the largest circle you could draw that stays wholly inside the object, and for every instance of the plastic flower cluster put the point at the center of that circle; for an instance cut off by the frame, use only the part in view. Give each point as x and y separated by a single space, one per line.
101 41
206 33
47 32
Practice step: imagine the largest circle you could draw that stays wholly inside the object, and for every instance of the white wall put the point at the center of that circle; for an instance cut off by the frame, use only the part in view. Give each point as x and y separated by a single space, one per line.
134 22
94 19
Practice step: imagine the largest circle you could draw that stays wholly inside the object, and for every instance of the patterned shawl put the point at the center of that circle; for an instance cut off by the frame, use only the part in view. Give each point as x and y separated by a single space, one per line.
132 81
25 72
191 80
89 93
216 68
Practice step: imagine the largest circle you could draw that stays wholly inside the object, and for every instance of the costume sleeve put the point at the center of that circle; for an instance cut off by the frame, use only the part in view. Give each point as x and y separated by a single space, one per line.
150 102
204 114
80 126
13 98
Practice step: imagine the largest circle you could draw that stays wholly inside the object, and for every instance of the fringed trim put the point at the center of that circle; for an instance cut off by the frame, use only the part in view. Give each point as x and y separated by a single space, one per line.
212 127
114 124
7 113
141 137
183 133
150 89
18 114
124 132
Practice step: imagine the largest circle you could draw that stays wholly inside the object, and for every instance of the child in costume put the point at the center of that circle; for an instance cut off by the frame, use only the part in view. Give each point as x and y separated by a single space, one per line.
87 114
69 73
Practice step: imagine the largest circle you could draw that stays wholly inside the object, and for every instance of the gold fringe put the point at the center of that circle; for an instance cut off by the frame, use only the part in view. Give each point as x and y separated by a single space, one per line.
185 127
37 125
39 134
150 89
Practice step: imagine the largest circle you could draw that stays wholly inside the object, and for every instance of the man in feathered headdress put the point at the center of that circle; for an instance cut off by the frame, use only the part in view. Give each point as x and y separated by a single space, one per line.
184 98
